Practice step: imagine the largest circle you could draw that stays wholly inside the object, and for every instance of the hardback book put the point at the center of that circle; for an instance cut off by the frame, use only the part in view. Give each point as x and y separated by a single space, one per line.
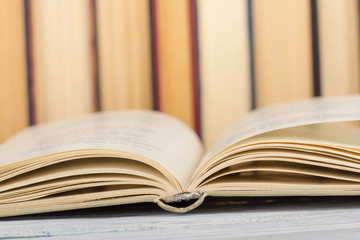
338 46
224 50
172 59
13 93
60 60
123 37
282 50
304 148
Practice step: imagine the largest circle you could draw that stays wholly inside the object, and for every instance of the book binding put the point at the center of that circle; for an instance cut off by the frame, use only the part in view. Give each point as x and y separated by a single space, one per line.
186 200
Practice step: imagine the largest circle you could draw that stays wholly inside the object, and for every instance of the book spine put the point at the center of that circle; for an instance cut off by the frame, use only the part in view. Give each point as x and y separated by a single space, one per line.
124 54
13 95
339 46
224 64
62 67
173 55
282 50
189 201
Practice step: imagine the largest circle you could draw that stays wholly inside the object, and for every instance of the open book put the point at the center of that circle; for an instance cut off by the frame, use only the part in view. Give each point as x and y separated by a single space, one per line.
112 158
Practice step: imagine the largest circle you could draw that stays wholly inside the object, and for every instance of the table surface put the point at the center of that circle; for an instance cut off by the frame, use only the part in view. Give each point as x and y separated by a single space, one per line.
277 218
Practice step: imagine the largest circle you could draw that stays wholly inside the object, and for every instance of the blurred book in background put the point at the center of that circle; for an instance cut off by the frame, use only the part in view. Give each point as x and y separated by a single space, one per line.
61 59
282 50
124 54
13 85
172 49
193 59
339 46
224 64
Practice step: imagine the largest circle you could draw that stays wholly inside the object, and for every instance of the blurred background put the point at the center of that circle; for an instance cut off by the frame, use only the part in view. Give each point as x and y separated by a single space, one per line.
207 62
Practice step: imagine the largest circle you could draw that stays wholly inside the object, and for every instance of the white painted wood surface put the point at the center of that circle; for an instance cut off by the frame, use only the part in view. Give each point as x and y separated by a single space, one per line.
321 218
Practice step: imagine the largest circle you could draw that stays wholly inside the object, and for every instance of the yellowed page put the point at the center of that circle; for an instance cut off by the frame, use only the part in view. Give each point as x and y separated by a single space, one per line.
85 169
155 136
305 160
311 111
86 200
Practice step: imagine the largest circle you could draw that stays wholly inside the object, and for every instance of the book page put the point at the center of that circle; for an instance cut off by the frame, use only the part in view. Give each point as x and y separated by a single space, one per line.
310 111
153 135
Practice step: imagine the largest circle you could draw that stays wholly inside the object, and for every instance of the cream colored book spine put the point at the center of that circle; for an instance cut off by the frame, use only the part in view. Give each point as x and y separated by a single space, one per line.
224 64
282 50
63 84
124 54
339 47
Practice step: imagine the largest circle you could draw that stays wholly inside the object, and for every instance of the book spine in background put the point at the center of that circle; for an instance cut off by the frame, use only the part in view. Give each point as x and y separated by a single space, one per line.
194 26
124 54
94 55
282 50
207 62
339 46
224 64
61 59
13 86
171 39
315 48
